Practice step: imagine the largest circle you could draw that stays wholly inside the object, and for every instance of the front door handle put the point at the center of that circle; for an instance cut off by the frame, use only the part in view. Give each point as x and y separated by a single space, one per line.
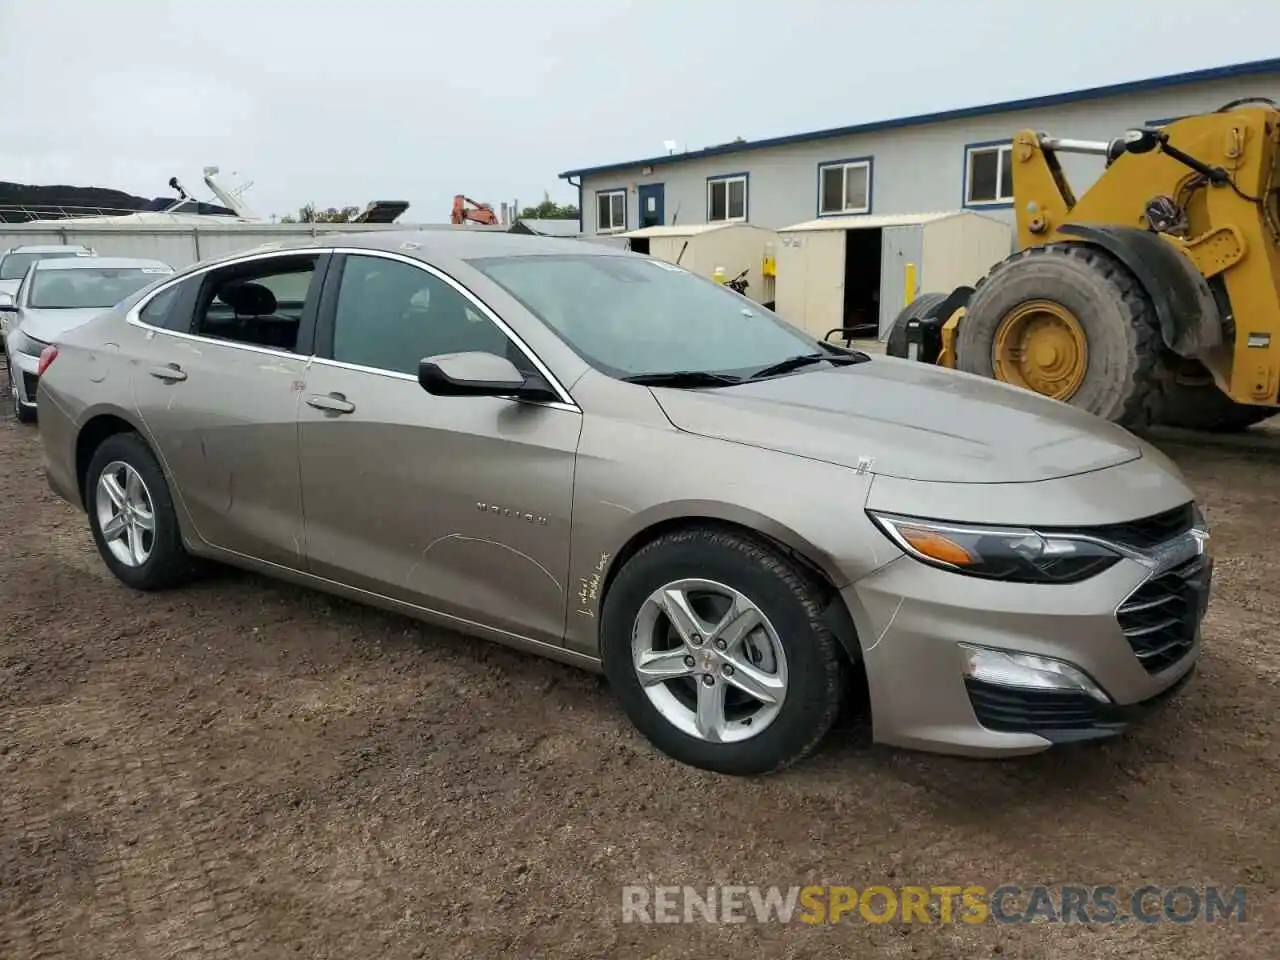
170 373
331 403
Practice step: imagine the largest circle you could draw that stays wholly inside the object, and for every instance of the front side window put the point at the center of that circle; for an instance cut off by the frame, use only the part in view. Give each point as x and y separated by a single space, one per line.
845 187
629 316
14 266
611 211
88 287
989 174
391 315
726 199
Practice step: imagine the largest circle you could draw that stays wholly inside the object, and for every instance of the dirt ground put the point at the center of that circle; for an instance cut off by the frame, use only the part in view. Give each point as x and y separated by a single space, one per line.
246 769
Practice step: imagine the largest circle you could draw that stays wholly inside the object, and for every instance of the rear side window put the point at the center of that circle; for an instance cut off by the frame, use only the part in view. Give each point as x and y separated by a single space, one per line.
159 312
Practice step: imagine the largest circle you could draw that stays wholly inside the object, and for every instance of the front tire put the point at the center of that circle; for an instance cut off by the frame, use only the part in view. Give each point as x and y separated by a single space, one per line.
131 515
715 645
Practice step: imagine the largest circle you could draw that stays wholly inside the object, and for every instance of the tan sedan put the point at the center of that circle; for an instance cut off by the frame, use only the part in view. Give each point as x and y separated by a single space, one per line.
602 458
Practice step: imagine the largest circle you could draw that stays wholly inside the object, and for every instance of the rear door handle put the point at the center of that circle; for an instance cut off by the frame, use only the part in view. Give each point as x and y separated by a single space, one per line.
331 403
170 372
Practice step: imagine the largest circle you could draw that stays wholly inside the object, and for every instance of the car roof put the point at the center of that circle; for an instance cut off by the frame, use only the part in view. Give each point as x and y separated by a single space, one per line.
455 243
83 263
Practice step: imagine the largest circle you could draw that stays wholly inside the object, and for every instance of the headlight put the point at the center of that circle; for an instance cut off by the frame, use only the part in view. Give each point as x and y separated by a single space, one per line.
1013 554
19 342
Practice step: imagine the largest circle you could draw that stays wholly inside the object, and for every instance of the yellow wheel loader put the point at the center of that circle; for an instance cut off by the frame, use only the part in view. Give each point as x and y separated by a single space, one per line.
1154 298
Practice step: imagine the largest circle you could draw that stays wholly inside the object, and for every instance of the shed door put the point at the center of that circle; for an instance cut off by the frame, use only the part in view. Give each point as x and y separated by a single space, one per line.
902 245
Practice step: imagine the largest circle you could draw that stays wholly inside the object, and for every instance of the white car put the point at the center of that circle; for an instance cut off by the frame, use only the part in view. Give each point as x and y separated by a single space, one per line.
15 261
56 296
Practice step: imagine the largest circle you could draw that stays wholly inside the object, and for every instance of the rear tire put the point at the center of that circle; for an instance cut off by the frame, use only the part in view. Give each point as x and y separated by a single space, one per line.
161 561
791 647
896 342
1119 324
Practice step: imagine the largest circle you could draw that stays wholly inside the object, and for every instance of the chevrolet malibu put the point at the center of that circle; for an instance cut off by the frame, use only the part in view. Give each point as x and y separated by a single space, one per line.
604 459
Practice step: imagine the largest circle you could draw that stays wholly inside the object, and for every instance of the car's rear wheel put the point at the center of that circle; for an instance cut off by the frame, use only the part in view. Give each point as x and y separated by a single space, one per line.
715 645
132 517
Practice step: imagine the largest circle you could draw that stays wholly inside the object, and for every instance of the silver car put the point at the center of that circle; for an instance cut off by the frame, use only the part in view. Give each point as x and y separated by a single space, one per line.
15 261
602 458
55 296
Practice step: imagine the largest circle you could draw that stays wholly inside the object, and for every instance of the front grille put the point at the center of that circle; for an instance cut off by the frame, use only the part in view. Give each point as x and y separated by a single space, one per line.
1145 533
29 383
1161 617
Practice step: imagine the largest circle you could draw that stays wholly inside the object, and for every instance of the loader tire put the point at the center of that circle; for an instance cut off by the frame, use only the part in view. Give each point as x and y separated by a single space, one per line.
1101 318
1205 408
896 343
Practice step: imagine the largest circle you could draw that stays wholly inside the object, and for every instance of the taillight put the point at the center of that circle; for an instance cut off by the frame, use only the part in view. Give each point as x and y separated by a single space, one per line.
47 356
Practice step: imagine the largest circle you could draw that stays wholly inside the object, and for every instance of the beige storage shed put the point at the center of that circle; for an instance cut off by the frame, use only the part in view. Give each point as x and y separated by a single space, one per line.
700 248
851 272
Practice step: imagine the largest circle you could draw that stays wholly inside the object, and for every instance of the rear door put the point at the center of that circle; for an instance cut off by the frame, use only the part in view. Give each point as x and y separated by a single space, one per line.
218 366
457 504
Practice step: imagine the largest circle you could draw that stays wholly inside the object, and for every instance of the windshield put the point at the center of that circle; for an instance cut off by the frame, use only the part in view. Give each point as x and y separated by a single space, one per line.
99 287
14 266
630 316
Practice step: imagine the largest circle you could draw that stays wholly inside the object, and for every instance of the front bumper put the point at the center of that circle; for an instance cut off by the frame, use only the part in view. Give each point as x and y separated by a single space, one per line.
22 375
911 620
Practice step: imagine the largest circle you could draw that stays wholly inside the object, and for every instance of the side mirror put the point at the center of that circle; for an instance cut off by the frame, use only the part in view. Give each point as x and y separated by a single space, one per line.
477 374
6 303
1143 140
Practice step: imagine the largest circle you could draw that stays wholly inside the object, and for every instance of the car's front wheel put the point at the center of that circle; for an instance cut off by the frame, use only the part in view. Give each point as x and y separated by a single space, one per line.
132 517
715 645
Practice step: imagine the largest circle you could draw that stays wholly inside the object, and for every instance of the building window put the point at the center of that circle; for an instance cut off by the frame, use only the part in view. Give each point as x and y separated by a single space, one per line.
611 211
727 198
844 186
988 174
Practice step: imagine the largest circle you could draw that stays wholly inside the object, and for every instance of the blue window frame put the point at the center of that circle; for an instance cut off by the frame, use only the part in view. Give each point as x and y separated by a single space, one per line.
844 186
988 174
727 200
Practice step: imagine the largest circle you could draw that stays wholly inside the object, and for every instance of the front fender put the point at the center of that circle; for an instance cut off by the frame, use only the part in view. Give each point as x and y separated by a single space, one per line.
1190 322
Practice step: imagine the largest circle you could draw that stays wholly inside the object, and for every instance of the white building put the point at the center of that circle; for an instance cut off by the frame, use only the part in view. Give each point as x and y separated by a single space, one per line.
910 165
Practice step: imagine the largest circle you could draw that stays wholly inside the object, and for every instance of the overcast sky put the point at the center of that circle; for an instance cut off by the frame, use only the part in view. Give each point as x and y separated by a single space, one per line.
339 102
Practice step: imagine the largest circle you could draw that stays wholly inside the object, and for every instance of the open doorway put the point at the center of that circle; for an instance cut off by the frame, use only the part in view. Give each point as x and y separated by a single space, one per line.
862 255
640 245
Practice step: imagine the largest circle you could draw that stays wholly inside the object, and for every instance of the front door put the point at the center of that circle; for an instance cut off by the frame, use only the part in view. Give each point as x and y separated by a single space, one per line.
216 383
457 504
651 212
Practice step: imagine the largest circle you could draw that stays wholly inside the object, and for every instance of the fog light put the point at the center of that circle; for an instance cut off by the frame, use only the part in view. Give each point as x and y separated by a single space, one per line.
1026 670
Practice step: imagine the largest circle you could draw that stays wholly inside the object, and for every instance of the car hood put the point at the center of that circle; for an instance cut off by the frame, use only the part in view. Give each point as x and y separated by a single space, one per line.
48 325
901 418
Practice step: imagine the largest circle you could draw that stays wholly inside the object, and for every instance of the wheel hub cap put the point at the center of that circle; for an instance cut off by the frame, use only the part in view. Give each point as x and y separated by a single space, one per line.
126 514
1041 346
709 660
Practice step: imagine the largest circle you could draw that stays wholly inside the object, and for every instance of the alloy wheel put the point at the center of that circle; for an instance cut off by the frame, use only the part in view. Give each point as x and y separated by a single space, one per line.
126 513
709 660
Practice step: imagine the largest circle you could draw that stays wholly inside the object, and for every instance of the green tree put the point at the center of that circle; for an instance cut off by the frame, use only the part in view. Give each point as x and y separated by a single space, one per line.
309 214
548 209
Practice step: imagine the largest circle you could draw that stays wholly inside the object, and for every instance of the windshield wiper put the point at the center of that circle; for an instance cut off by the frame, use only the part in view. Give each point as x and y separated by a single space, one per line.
804 359
683 378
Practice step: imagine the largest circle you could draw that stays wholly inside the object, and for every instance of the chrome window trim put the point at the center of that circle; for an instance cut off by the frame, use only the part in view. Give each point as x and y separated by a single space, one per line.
133 317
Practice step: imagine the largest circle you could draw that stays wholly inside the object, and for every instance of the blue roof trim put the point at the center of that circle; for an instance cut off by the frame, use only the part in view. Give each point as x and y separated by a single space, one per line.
1248 69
